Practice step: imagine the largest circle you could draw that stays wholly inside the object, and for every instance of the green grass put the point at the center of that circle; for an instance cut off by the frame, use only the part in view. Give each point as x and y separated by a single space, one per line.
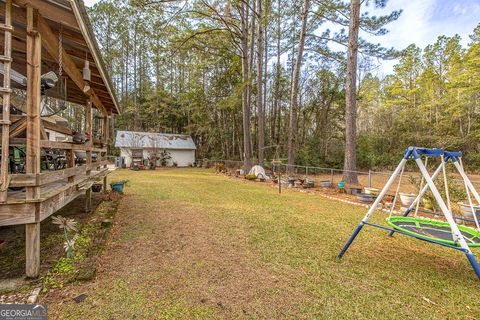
272 256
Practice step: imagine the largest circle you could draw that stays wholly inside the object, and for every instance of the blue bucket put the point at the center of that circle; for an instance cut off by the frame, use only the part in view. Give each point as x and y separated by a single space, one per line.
341 184
117 187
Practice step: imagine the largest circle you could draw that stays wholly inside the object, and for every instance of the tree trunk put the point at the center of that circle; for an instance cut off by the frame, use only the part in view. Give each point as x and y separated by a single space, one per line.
276 104
292 128
350 163
247 143
260 106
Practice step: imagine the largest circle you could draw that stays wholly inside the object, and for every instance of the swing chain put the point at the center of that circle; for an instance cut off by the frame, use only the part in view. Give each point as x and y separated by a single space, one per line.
60 53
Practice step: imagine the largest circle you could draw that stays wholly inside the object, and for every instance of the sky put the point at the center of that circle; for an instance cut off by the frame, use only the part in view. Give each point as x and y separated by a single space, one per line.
421 22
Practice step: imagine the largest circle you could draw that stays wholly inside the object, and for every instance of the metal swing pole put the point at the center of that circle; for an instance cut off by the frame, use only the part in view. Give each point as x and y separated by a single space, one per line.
374 206
457 235
469 184
420 195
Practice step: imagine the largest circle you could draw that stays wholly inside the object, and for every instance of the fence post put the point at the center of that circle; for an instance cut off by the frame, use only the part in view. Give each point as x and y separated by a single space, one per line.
331 173
306 171
369 178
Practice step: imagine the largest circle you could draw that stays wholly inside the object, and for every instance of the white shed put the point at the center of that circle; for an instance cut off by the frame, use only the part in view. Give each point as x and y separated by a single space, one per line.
148 145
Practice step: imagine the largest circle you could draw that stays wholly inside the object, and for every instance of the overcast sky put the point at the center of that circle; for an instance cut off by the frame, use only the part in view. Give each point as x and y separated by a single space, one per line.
421 22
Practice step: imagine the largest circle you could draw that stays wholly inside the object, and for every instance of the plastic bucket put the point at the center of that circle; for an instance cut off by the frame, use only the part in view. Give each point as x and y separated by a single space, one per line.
117 187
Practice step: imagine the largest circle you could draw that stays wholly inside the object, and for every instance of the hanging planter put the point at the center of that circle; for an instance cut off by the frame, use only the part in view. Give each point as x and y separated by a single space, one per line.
97 187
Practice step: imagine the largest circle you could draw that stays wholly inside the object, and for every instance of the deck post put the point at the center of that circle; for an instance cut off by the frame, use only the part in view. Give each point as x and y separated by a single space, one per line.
89 134
34 61
6 103
88 200
70 164
106 137
105 185
89 144
106 130
32 249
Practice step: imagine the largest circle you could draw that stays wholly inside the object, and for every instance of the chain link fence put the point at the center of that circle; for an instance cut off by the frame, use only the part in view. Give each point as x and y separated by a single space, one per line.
369 178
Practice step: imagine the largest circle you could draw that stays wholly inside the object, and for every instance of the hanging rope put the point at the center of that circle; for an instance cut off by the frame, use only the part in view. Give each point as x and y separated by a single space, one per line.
470 199
60 52
445 182
60 100
396 192
420 190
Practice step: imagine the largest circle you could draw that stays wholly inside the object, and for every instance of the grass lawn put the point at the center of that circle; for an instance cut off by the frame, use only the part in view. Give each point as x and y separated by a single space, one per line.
191 244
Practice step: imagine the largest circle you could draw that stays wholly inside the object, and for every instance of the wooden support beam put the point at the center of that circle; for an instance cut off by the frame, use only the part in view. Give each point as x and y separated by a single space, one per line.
34 60
51 12
70 164
18 128
32 248
34 63
88 200
105 185
57 201
18 213
89 134
43 133
106 137
52 176
56 127
6 105
50 43
23 180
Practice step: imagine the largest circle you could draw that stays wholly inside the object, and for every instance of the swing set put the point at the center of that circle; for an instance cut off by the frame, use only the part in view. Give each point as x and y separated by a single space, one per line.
446 233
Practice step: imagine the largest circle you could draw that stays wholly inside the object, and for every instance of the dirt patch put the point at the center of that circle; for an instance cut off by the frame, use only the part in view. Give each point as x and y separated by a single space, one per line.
171 249
12 264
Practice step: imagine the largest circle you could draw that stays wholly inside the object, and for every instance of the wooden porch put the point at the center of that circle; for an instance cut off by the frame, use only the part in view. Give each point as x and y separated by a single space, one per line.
40 37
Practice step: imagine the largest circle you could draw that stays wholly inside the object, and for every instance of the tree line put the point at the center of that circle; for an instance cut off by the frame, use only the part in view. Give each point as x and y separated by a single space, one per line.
247 78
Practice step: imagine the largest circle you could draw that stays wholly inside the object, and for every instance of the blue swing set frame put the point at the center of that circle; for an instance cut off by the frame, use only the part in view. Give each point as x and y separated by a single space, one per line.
415 153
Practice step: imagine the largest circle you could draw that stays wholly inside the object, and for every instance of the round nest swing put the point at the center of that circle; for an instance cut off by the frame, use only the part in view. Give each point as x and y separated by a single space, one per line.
433 230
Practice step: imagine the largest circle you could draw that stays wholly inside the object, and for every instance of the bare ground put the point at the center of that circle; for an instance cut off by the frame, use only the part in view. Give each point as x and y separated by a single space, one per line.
166 248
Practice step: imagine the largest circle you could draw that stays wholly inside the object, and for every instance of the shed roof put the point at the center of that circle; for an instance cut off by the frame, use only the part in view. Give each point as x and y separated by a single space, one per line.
145 140
68 17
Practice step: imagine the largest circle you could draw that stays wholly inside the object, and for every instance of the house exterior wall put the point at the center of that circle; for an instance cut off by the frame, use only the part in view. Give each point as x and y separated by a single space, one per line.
183 158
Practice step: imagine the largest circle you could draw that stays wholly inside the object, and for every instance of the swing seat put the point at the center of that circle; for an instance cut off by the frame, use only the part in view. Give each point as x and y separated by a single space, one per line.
433 230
